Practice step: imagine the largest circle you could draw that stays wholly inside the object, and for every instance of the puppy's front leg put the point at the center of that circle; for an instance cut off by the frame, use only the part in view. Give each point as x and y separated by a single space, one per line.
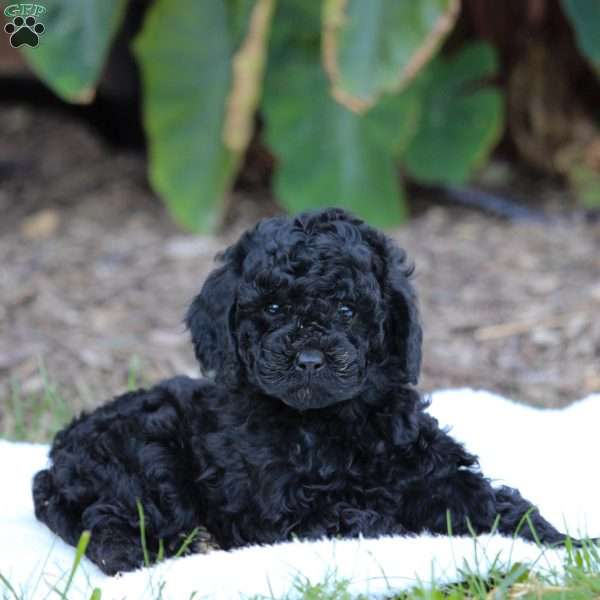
456 503
465 502
518 514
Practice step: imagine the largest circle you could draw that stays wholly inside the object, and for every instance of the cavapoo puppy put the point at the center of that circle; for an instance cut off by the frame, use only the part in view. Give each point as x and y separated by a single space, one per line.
307 424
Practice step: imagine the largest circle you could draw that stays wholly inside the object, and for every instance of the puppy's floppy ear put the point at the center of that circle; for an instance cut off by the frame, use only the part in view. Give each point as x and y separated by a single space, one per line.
404 329
209 320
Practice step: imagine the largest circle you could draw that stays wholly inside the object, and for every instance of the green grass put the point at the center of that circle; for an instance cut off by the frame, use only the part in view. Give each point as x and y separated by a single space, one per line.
37 417
581 581
517 583
135 378
34 417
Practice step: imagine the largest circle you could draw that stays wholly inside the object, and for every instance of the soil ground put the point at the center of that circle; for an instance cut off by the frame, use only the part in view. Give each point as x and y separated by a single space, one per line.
95 277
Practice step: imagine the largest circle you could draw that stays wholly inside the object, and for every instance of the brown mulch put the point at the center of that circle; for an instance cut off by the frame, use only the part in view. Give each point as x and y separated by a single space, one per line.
94 276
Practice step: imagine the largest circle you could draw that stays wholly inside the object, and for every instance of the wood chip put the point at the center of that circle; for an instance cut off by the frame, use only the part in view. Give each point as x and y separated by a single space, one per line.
41 225
503 330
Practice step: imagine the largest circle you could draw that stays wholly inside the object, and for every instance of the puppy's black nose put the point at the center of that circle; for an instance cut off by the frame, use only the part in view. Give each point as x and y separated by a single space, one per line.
310 360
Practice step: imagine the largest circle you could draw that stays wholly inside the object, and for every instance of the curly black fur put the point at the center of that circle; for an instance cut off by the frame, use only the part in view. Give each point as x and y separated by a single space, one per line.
308 425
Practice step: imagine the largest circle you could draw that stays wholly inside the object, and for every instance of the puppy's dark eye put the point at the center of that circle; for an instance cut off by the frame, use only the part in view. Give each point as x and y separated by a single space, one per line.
272 309
345 312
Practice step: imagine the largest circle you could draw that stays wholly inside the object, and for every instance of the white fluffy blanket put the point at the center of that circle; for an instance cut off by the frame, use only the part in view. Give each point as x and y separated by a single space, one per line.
550 455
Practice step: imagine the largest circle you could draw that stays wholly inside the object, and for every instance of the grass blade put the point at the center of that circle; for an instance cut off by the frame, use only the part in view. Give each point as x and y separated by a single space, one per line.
140 510
82 545
9 587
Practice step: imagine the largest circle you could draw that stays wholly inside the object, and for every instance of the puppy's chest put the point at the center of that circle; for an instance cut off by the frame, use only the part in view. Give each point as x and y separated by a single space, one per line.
308 484
309 468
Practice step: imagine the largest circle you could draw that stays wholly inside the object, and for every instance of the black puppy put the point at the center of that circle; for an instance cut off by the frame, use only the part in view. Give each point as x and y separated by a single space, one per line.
308 426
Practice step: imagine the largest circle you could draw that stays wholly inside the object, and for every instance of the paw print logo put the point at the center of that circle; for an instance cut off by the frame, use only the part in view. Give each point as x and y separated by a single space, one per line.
24 31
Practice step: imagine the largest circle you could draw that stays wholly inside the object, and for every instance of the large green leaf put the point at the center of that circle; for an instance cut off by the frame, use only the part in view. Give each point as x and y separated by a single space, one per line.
327 155
239 14
461 119
198 110
184 51
73 48
377 46
585 17
395 119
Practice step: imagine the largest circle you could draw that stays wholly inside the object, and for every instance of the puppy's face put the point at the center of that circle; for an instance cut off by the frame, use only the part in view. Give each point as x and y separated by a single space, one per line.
311 310
305 312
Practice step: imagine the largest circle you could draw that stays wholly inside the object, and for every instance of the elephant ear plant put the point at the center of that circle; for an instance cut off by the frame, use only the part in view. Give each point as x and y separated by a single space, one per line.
353 95
583 172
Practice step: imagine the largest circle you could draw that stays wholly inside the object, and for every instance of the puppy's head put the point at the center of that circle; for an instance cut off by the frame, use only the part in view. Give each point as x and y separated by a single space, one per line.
311 310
